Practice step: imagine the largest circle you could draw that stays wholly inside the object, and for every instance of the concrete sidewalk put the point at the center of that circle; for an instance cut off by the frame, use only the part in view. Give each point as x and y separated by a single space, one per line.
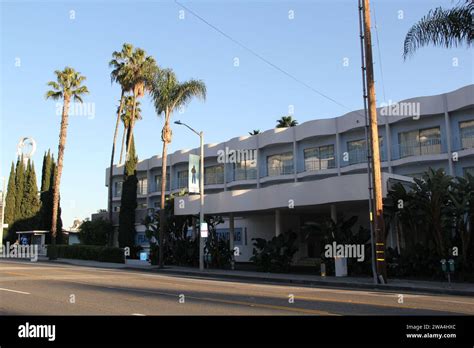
395 285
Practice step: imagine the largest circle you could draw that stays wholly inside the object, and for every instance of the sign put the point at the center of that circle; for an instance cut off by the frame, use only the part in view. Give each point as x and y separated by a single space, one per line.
193 174
204 231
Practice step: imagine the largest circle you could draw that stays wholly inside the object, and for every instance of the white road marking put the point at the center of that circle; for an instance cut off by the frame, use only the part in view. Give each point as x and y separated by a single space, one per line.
16 291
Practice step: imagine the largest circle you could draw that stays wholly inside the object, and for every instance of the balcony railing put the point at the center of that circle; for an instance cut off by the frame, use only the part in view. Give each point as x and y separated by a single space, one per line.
245 174
319 164
283 170
467 141
420 148
356 156
213 178
182 182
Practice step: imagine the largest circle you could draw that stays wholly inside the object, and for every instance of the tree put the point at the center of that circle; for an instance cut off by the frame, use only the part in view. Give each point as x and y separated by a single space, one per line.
126 117
441 27
46 171
120 63
139 75
31 204
19 187
10 198
95 232
286 121
128 202
68 85
168 95
254 132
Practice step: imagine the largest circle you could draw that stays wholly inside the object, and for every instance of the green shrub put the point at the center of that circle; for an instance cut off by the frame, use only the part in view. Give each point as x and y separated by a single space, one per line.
95 232
87 252
276 254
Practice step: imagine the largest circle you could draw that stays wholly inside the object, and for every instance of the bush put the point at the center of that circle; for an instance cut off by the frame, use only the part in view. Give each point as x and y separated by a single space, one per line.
95 232
276 254
86 252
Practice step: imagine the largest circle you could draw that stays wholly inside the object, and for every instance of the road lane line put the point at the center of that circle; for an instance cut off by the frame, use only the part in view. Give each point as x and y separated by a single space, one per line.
15 291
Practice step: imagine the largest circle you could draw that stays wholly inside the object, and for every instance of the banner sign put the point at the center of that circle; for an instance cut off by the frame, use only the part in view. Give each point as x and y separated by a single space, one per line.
193 174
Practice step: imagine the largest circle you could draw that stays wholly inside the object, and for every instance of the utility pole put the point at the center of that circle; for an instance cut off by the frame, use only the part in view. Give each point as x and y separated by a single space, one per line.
379 225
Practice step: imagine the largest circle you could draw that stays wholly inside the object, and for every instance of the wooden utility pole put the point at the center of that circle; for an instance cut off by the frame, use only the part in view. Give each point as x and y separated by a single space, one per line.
376 170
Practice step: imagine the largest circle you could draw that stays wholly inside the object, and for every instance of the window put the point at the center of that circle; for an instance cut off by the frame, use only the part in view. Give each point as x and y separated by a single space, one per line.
224 234
182 179
158 182
142 186
357 151
467 134
317 158
141 206
280 164
116 209
214 175
467 170
420 142
245 170
118 188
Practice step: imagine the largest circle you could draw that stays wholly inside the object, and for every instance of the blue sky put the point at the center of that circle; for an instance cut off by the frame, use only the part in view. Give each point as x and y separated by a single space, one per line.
311 47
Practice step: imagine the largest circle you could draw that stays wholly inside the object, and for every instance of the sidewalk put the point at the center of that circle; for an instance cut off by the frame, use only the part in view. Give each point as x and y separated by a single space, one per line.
395 285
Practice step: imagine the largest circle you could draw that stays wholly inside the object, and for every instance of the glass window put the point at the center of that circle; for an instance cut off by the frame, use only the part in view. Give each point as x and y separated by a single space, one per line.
142 186
357 151
420 142
245 170
118 188
158 182
182 179
317 158
214 175
467 134
280 164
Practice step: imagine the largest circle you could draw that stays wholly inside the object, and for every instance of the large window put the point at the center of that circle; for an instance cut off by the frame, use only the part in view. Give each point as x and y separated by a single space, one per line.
158 182
467 134
214 175
118 188
182 179
357 151
420 142
245 170
317 158
142 186
280 164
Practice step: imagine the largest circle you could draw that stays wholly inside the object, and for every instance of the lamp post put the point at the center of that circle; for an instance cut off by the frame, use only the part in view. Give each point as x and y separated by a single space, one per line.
201 192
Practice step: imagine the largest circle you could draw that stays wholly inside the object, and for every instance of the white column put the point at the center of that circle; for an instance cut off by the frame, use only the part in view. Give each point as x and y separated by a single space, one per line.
448 136
277 222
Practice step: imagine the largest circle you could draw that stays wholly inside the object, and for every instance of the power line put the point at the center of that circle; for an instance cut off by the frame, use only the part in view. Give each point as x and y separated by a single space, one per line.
379 54
248 49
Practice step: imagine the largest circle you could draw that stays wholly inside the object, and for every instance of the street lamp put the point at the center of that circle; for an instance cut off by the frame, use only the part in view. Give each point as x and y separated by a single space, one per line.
201 192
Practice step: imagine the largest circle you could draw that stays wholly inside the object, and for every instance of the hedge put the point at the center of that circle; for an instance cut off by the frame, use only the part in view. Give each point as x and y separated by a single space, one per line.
87 252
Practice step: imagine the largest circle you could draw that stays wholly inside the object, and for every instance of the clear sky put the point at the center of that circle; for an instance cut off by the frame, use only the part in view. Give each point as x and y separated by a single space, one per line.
312 46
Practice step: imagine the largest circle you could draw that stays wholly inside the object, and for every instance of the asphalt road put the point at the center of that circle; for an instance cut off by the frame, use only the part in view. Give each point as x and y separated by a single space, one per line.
53 289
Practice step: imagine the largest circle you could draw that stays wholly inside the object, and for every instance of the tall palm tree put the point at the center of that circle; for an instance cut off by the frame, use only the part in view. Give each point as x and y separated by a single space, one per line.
442 27
126 117
254 132
120 63
286 121
140 74
168 95
68 85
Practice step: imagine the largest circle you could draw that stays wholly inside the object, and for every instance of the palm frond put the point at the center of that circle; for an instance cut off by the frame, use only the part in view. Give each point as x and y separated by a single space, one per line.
441 27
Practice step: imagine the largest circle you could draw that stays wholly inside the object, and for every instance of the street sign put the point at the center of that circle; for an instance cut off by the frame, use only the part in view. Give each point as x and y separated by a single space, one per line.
204 231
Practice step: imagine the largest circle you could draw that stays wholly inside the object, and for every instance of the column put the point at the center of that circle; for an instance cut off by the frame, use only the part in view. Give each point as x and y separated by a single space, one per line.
277 222
231 239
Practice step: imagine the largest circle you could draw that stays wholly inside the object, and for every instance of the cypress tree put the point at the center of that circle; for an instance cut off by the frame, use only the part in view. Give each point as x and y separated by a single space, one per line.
46 172
31 205
10 205
128 202
19 187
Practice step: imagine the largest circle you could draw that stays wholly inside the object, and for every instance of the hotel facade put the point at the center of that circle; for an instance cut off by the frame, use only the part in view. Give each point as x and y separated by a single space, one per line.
318 168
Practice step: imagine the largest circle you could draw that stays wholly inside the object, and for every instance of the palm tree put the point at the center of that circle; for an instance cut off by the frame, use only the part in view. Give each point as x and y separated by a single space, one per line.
168 95
120 63
126 117
139 74
68 85
254 132
442 27
286 121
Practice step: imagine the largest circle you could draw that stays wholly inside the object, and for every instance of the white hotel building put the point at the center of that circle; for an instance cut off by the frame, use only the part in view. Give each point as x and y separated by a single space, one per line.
314 169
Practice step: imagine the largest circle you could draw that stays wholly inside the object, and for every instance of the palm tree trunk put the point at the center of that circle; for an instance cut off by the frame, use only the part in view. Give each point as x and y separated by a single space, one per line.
57 176
123 143
132 122
117 123
164 161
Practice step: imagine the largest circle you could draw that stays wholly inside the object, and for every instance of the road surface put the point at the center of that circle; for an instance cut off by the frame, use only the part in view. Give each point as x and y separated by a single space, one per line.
28 288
